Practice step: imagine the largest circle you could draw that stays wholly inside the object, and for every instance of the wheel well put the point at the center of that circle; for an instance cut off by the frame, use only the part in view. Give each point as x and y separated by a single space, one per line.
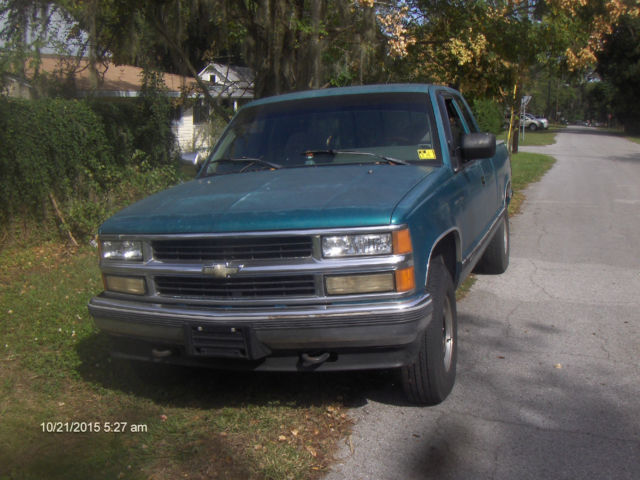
447 246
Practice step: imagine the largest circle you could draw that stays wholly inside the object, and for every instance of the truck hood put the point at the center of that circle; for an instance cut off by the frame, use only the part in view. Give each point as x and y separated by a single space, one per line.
287 199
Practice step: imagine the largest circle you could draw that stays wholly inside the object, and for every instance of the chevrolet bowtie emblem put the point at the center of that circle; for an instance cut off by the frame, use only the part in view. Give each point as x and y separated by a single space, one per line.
221 270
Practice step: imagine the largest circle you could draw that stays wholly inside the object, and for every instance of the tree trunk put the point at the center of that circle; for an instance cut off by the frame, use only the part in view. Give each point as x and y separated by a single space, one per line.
316 12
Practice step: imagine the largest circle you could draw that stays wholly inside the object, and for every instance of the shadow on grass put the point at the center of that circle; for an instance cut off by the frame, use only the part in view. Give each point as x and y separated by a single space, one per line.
38 455
204 388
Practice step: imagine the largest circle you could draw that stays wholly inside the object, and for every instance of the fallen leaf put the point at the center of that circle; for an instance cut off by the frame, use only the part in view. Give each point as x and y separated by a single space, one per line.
311 450
557 365
282 438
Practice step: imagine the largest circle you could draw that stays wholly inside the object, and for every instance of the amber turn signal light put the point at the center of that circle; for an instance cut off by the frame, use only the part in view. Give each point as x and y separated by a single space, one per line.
402 241
405 280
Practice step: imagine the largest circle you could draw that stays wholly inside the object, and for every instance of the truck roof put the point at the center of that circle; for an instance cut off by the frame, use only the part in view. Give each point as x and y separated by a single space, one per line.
339 91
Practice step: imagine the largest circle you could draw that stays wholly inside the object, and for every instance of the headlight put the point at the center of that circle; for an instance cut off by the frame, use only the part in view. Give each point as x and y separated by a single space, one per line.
357 245
397 242
126 250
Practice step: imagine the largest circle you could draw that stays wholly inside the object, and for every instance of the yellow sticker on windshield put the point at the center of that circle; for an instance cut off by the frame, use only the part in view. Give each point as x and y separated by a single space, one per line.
427 154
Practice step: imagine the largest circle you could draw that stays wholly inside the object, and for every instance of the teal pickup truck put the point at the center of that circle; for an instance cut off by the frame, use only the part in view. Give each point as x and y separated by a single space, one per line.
327 230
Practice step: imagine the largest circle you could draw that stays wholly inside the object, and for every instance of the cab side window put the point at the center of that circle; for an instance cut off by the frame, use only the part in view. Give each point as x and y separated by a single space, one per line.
468 117
456 124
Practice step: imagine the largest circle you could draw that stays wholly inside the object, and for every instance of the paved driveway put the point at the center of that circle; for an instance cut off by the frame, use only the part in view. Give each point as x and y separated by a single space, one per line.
549 369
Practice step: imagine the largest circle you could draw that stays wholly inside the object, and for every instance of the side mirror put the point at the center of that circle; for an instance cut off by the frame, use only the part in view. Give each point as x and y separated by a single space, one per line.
478 145
190 162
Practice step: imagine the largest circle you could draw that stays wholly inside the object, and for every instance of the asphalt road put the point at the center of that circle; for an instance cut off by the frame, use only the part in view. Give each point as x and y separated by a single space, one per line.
548 382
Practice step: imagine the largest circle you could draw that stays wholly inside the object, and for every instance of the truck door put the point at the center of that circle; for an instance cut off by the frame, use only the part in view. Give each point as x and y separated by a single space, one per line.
475 199
488 165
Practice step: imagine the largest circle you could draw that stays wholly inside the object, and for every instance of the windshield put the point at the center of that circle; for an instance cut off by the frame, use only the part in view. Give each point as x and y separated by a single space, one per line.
390 128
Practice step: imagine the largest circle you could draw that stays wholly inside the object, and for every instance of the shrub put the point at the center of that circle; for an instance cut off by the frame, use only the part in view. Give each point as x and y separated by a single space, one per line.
89 157
119 118
130 183
489 115
49 148
153 129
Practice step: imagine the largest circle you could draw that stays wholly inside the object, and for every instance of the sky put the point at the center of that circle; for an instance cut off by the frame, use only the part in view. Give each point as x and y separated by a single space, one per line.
56 35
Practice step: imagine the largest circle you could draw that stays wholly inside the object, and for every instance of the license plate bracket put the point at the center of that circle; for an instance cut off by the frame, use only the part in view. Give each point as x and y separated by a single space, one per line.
223 341
216 341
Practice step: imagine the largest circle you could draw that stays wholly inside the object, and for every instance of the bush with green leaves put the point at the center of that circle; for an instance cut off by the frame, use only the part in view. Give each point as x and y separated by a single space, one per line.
50 147
89 158
489 115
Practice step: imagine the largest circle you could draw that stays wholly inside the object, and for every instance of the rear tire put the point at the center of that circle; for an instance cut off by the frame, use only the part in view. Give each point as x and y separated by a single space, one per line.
495 259
428 380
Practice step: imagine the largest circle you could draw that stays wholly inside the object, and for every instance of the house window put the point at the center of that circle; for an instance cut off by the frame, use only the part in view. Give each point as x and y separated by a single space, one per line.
200 112
213 78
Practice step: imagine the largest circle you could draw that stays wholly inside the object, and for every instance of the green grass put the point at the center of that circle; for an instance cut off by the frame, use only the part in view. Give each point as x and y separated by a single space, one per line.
538 138
534 139
55 367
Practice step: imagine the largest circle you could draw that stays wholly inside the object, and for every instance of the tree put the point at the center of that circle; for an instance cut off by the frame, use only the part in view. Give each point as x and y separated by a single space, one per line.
25 29
289 44
296 44
619 65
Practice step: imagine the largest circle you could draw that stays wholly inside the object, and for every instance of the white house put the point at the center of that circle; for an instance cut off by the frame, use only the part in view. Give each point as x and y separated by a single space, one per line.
232 86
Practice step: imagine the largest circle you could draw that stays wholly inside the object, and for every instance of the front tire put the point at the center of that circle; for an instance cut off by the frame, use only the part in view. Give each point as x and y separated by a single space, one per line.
428 380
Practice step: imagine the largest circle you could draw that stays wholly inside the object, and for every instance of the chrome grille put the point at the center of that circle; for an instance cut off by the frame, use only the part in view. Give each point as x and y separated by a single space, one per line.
224 249
245 288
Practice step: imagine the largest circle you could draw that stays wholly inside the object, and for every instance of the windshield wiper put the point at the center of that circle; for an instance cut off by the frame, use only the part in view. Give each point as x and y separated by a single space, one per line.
395 161
249 160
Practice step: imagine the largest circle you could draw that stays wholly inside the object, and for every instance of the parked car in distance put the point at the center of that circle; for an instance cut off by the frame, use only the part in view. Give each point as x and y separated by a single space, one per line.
326 231
533 123
544 123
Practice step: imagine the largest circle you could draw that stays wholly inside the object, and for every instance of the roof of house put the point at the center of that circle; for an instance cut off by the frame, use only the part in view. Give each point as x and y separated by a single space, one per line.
227 73
113 80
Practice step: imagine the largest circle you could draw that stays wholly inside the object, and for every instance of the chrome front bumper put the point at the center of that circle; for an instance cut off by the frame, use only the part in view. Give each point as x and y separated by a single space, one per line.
361 335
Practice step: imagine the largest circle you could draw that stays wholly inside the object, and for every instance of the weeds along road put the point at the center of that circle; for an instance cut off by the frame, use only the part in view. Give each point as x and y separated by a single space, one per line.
549 363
